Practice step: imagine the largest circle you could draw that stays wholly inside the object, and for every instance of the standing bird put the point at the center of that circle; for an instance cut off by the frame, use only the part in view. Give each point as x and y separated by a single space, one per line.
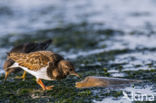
43 65
23 48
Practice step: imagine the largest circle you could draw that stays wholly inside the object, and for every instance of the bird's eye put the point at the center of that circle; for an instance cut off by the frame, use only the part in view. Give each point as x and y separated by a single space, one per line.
70 69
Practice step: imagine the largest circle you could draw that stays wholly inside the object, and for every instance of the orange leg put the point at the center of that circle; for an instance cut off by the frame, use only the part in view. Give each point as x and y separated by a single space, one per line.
43 86
22 77
6 75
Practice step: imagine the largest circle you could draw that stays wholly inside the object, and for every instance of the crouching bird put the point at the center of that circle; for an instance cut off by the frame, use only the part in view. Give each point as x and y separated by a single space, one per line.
23 48
43 65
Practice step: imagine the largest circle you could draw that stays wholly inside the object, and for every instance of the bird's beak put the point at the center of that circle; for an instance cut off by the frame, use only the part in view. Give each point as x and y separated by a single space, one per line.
74 73
6 75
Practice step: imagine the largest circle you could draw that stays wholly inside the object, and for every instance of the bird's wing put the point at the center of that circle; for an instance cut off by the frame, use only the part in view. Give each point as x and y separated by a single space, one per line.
44 45
53 58
18 48
31 47
33 60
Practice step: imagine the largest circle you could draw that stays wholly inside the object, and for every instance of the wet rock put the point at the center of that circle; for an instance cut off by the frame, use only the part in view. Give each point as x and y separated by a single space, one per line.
94 81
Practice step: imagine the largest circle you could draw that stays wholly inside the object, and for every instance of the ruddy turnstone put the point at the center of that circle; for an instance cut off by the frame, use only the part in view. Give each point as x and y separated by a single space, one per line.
43 65
23 48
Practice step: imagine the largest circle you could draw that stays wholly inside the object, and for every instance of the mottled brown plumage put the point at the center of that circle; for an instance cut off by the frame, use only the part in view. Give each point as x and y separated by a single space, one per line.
43 65
23 48
35 60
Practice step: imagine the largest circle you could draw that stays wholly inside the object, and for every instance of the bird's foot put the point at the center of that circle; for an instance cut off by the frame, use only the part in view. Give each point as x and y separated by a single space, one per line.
49 87
20 77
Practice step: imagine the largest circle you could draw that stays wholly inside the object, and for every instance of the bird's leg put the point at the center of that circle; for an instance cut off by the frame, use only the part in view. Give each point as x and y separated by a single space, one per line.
6 75
43 86
22 77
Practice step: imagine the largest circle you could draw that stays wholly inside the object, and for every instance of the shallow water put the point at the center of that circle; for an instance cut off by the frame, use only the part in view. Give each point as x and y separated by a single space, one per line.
106 38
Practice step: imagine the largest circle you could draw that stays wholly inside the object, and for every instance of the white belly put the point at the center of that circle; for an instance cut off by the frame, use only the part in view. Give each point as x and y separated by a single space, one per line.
42 73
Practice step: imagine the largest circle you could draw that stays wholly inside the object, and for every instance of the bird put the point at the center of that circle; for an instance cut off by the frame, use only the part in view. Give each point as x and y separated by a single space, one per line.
45 65
23 48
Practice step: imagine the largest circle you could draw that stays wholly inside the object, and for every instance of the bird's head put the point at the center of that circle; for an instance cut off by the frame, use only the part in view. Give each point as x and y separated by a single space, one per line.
67 68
